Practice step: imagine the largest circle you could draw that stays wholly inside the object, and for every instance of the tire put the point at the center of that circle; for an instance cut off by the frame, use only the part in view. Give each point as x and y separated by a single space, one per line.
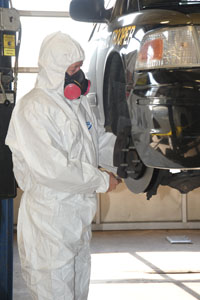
114 96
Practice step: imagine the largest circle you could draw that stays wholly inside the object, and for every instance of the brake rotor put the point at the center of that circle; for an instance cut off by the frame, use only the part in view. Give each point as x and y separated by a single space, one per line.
137 176
141 184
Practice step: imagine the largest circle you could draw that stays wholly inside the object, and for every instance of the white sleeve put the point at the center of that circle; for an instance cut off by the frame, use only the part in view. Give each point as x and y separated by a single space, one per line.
47 164
106 149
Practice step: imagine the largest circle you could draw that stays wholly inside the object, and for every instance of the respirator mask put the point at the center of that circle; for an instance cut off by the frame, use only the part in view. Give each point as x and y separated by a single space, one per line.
76 85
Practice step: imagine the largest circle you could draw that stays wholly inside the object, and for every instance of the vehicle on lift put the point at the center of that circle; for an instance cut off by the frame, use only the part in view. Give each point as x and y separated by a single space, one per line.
144 62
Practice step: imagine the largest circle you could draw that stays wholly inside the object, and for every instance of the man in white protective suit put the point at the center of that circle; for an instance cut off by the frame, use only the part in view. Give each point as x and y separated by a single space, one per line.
57 147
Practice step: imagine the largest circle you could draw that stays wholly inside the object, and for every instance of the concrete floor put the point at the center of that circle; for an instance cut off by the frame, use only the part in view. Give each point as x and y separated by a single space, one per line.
137 265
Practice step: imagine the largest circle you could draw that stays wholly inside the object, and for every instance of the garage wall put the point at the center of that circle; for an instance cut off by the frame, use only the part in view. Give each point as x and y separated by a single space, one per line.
194 205
16 205
122 205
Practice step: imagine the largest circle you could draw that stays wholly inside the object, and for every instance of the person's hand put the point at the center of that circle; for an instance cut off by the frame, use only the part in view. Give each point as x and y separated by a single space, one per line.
114 181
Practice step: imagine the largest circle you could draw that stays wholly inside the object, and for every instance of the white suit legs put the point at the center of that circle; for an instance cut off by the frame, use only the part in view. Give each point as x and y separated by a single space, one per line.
70 282
64 276
82 270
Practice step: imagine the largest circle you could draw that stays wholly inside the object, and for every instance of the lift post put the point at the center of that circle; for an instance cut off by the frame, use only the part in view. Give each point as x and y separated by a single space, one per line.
9 26
6 249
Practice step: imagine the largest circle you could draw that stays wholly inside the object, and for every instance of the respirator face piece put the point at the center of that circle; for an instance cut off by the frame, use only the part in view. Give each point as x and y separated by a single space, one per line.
76 85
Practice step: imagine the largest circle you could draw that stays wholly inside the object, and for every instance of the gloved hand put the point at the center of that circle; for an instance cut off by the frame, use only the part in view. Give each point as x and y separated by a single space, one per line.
114 181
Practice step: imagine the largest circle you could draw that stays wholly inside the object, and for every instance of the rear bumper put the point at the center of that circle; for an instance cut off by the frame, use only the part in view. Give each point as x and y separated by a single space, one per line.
165 114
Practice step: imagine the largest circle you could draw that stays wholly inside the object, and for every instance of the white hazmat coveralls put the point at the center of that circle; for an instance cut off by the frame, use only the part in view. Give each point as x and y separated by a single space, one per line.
56 147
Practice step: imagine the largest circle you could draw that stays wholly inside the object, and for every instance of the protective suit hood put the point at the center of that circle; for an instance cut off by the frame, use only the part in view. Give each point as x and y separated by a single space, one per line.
58 51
